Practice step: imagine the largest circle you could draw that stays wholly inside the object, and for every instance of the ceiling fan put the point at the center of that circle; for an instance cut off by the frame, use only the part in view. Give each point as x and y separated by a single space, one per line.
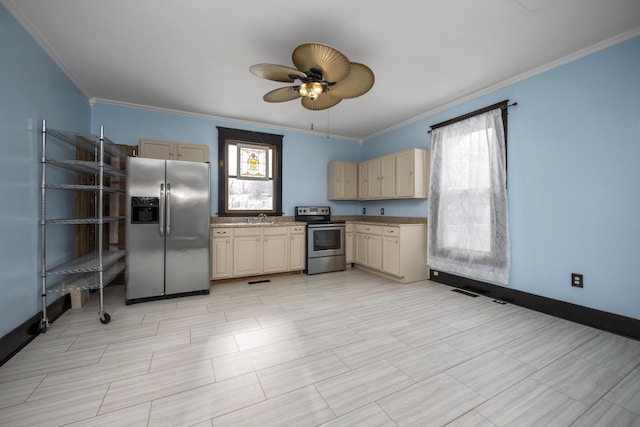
326 77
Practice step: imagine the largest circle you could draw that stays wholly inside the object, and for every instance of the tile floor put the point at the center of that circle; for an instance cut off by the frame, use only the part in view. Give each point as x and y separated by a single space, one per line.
337 349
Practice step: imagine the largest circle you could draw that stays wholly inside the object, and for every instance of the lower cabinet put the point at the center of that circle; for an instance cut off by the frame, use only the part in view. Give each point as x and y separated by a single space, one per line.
369 246
391 250
221 253
298 247
349 244
395 251
256 250
275 249
247 251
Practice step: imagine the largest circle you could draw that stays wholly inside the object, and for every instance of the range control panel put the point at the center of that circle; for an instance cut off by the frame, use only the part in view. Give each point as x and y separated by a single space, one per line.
312 210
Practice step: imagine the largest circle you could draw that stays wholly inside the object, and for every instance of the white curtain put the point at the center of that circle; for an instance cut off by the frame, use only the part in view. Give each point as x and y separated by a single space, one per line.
468 215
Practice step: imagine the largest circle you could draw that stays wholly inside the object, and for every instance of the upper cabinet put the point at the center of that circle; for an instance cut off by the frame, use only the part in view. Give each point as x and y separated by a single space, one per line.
167 150
402 175
342 182
412 173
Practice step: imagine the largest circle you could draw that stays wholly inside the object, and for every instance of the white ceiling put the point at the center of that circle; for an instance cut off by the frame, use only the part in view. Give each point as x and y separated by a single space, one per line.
194 56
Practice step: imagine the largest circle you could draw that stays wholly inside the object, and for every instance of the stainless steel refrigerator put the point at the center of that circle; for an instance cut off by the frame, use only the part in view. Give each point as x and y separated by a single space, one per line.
167 228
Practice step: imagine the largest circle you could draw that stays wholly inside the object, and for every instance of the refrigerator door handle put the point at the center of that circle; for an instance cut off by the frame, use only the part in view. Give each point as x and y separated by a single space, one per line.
161 207
168 228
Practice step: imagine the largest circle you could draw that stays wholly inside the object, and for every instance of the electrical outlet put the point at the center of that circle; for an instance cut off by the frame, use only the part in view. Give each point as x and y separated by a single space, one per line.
381 211
364 211
577 280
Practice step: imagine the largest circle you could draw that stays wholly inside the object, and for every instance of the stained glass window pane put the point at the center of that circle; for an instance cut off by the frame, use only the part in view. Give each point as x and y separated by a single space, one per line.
252 162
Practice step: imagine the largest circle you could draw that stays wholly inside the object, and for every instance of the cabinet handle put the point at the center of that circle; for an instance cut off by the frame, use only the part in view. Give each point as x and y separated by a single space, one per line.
258 239
410 172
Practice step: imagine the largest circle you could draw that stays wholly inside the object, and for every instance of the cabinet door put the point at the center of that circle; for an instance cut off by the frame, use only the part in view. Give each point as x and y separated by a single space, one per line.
349 247
275 253
335 181
388 177
221 256
373 178
363 181
361 248
163 150
297 249
246 255
193 152
405 174
374 249
391 255
351 181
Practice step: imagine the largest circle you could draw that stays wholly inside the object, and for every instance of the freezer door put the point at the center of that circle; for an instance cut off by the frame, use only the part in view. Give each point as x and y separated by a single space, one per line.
188 214
144 274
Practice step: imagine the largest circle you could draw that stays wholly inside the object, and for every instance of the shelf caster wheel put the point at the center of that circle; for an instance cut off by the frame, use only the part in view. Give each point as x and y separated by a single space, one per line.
105 318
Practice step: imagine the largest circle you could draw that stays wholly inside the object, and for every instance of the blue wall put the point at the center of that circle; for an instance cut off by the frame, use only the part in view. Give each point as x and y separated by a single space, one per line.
32 88
574 141
573 177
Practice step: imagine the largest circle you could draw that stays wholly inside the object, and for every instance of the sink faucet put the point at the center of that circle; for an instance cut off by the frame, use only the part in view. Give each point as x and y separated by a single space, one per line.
262 217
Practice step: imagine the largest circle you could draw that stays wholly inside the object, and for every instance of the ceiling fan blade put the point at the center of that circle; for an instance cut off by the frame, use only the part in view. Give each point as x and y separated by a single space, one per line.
283 94
359 81
334 65
323 102
278 73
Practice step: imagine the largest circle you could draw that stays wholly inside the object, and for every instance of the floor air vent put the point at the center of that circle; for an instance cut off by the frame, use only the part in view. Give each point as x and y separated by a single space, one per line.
460 291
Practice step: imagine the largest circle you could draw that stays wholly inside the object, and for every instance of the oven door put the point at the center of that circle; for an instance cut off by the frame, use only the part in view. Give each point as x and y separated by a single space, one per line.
325 240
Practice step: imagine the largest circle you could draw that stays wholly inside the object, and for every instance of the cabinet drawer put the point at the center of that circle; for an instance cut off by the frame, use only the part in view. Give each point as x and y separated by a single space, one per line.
248 231
275 231
221 232
368 229
297 229
391 231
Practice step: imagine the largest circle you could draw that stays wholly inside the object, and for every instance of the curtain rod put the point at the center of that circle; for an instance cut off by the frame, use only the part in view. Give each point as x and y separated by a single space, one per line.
503 104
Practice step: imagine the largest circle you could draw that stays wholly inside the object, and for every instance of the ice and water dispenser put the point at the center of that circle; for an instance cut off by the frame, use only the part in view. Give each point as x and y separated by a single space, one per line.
145 210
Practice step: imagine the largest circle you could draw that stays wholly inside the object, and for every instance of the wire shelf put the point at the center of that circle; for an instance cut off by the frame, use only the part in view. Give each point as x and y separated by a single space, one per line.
104 220
87 142
87 263
87 167
86 281
75 187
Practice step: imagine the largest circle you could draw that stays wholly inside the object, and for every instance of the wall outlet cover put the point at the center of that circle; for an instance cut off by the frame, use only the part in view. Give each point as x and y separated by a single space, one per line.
577 280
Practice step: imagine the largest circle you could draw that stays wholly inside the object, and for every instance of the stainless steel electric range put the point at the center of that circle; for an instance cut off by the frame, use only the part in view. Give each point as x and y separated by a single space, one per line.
325 239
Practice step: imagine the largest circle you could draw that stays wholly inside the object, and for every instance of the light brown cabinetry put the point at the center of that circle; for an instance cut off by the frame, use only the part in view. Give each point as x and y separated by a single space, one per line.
388 177
168 150
395 251
247 253
402 175
221 253
342 181
369 246
255 250
412 173
391 250
275 249
363 181
373 179
297 247
349 245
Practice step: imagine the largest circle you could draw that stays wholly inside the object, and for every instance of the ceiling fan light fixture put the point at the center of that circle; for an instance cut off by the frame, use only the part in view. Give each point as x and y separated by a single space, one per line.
311 90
